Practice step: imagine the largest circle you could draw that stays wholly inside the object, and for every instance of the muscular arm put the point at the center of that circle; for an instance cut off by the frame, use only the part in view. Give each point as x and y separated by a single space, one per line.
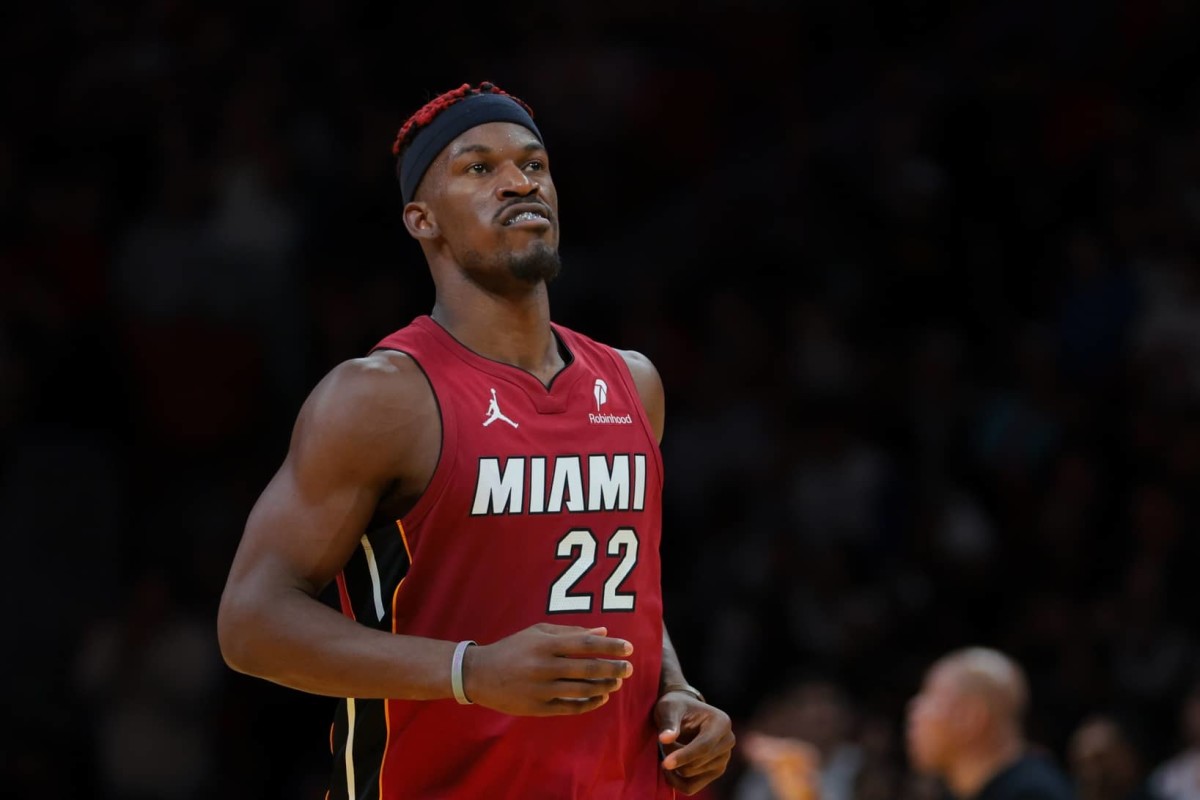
346 449
371 424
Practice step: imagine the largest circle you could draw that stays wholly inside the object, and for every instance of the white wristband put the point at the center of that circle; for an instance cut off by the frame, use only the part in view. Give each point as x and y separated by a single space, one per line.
456 672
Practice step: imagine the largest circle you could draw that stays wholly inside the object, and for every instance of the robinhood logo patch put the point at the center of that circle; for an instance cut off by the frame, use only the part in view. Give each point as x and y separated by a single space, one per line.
610 419
600 392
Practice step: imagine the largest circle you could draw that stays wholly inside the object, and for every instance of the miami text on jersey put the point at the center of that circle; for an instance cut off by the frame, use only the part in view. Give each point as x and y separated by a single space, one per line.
616 483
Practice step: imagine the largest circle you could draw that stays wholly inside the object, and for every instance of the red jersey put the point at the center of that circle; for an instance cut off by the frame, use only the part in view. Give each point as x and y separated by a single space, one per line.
545 506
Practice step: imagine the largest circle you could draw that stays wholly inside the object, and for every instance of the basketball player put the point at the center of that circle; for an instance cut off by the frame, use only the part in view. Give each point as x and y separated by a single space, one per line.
485 488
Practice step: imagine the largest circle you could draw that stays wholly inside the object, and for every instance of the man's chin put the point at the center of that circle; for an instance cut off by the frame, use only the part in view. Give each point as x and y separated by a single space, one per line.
540 263
534 265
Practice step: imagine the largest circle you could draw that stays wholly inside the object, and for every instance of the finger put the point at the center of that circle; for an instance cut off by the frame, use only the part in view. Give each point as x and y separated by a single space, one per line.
670 716
565 706
592 669
687 754
707 744
696 769
566 630
589 643
690 786
579 689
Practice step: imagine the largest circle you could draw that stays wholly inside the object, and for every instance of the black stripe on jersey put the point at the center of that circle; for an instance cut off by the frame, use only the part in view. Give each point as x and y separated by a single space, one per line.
391 565
370 740
370 722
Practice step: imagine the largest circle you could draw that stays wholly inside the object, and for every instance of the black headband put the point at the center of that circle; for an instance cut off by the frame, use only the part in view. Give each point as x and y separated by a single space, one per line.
476 109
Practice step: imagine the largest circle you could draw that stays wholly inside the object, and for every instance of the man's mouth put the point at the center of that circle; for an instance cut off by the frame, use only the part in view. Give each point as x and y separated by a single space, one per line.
525 214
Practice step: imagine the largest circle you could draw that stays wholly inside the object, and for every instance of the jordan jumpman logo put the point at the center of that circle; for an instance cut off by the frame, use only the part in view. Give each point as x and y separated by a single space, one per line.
494 413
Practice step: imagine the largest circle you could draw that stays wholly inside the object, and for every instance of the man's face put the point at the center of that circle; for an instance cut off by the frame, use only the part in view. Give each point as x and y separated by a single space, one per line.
930 733
1100 761
492 196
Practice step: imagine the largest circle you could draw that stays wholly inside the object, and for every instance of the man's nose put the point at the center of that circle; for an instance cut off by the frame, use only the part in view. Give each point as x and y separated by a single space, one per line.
516 182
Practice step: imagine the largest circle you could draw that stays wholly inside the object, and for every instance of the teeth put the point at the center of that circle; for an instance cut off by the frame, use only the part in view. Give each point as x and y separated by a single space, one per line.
525 216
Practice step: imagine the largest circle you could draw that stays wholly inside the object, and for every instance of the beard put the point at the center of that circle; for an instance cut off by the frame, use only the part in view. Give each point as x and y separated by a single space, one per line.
539 264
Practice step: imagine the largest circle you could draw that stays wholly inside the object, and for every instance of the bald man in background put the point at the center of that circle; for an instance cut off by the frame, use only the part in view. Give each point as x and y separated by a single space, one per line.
965 727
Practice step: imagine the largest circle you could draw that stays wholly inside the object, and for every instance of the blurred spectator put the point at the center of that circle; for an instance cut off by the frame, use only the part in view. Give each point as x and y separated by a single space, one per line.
965 726
1105 762
818 715
1179 777
790 765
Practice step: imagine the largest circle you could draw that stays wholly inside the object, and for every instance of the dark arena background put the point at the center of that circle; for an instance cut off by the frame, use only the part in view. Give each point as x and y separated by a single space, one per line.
922 280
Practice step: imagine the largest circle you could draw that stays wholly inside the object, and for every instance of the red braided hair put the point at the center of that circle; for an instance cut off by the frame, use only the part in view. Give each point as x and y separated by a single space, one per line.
428 112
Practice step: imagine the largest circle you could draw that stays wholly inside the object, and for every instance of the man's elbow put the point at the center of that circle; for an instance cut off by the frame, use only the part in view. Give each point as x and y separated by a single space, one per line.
236 628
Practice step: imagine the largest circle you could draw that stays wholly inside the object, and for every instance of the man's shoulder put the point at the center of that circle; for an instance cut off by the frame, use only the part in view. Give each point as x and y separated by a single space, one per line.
369 417
1033 777
379 376
639 364
383 389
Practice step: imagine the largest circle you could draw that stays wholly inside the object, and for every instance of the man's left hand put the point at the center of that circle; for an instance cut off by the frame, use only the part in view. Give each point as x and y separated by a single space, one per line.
697 739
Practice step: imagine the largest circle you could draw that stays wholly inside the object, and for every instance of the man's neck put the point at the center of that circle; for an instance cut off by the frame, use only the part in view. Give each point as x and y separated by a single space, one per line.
513 331
972 772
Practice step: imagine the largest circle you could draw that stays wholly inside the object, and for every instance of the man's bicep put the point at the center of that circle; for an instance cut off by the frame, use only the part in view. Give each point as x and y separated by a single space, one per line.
302 532
312 514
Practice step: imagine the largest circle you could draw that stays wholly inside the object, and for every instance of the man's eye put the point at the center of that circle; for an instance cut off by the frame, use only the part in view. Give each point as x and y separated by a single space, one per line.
477 168
535 166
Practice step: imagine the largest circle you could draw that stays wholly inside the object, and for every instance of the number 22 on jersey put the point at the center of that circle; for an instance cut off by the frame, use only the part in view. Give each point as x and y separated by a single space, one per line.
579 546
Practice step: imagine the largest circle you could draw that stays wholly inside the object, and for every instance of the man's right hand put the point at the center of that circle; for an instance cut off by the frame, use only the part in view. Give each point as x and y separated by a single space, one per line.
547 670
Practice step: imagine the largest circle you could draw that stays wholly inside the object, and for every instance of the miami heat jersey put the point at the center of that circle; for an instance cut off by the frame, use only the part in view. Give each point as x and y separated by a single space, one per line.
545 506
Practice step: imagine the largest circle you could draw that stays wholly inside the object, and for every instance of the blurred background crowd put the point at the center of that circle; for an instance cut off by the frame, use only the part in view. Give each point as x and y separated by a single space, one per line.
922 280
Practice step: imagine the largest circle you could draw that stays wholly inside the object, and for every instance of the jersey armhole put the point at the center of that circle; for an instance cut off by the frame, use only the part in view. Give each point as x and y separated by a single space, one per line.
447 451
631 387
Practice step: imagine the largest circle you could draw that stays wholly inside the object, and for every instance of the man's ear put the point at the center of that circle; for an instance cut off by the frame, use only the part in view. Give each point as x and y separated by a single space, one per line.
420 221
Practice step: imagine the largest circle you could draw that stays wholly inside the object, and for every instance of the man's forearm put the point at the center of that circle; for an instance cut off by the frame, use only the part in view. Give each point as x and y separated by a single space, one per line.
297 641
672 676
